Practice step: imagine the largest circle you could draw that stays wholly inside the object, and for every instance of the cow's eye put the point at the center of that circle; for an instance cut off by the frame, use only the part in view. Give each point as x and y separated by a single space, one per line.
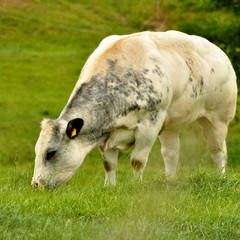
50 154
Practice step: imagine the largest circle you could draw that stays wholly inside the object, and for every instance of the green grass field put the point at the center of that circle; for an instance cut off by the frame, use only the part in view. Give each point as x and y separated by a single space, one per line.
43 46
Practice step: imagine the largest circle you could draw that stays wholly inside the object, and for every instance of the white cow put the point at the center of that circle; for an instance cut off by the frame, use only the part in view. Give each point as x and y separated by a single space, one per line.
133 89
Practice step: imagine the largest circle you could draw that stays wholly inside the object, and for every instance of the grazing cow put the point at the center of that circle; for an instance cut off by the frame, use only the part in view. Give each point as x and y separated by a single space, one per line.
133 89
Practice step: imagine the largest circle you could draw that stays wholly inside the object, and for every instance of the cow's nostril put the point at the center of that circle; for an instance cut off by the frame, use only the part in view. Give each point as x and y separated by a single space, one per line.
35 185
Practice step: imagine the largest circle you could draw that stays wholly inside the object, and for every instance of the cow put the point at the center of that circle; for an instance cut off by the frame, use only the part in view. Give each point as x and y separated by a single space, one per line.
133 89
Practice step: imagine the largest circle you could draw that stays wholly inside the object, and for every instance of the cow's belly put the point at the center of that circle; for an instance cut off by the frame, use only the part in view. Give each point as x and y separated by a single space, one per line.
184 111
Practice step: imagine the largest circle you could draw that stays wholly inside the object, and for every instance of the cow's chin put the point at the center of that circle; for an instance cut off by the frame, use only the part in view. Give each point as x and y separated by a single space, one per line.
62 180
56 184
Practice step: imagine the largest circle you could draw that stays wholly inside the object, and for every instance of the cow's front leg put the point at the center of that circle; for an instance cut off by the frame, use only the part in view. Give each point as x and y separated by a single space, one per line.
145 137
110 159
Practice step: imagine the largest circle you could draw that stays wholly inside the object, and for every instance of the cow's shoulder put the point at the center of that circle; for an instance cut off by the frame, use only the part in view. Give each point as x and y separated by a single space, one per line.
97 60
112 47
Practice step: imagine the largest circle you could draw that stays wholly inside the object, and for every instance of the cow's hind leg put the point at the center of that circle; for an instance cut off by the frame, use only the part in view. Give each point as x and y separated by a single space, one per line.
170 146
110 159
215 133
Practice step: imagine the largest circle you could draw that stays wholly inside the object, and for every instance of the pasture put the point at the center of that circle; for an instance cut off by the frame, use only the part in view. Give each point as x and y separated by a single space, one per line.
43 47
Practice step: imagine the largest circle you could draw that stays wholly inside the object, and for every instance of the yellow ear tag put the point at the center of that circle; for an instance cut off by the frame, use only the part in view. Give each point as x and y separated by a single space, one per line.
74 132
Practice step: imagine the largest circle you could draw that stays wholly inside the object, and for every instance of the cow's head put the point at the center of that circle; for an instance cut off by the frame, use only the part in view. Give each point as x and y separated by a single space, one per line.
59 152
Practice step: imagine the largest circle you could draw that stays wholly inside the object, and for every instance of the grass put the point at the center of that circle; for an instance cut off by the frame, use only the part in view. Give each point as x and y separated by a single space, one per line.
200 206
43 46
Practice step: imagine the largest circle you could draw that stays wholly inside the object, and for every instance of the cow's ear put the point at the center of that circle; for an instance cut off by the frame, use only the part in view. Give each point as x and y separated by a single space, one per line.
73 128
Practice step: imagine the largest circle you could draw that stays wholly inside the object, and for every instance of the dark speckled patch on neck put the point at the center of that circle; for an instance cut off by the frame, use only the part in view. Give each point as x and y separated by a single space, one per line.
116 93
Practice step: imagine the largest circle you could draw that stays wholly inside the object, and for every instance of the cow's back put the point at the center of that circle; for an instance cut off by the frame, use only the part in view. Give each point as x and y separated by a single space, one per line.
194 76
202 77
199 74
